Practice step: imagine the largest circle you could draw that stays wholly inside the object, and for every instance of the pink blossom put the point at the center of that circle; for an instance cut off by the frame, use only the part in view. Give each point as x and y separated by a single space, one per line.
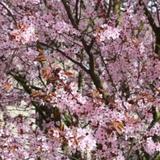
62 27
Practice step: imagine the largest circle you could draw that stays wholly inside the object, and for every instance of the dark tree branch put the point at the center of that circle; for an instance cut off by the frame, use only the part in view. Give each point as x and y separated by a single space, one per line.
76 11
22 81
65 55
154 27
149 16
157 12
45 112
74 61
69 13
109 8
94 76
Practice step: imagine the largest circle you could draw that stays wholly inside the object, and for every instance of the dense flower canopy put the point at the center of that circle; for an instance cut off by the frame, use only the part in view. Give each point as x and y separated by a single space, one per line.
90 72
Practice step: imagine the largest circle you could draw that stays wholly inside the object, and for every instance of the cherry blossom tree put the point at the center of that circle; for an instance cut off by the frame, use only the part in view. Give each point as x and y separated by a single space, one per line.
91 72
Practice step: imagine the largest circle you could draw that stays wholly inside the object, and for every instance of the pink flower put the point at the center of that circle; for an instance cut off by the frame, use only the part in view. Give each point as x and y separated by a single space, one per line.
62 27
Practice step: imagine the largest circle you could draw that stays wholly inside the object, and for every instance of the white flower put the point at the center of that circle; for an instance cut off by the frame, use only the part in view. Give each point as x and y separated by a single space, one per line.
24 34
81 138
141 48
150 146
28 34
120 157
158 147
33 1
88 141
108 32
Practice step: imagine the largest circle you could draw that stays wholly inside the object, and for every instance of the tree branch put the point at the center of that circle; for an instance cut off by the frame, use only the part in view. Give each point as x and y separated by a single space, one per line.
9 12
149 16
69 13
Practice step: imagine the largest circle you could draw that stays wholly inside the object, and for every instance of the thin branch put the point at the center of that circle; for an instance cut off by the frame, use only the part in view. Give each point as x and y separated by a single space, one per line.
74 61
9 12
109 8
94 76
76 10
65 55
157 12
107 70
39 76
